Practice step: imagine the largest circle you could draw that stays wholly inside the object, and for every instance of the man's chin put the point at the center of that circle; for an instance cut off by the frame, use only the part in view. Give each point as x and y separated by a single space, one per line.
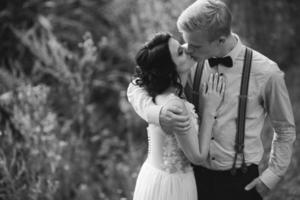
197 59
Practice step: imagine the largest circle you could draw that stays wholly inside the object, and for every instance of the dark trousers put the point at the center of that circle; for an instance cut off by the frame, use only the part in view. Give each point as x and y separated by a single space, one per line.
222 185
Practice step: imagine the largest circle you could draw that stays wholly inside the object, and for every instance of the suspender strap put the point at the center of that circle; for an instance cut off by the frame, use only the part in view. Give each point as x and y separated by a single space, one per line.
196 86
242 109
192 93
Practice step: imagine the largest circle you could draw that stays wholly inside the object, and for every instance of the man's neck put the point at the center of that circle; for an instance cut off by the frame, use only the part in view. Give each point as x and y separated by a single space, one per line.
229 44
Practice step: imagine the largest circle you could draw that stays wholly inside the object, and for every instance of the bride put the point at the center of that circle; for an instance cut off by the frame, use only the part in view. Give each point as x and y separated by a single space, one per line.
163 68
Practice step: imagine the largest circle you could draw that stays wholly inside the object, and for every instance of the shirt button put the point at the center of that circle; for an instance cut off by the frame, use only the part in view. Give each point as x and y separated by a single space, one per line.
212 138
213 158
215 117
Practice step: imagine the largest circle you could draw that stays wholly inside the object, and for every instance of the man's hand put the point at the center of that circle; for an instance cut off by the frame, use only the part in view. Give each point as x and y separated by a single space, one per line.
261 188
172 118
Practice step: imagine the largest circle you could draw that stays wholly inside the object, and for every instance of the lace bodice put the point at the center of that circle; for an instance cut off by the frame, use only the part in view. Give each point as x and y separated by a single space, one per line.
173 158
166 148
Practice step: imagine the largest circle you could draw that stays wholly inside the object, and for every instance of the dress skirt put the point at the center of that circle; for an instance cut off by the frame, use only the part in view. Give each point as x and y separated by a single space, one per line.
156 184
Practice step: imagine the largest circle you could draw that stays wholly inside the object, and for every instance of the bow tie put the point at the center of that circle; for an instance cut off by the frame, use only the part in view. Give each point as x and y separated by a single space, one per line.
226 61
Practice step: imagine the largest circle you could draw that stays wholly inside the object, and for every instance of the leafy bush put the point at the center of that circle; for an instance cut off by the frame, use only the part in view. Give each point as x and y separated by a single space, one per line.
30 150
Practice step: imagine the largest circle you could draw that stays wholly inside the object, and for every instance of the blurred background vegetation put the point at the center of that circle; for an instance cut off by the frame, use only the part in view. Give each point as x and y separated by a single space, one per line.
66 128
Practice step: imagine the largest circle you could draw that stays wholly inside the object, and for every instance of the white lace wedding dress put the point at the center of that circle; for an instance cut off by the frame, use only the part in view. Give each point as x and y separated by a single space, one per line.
166 174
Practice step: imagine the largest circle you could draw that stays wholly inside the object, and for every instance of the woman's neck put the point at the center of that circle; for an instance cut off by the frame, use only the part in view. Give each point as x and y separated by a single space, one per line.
183 80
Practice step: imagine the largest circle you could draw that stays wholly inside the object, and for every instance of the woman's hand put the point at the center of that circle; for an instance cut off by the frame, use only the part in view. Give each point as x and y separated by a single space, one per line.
213 92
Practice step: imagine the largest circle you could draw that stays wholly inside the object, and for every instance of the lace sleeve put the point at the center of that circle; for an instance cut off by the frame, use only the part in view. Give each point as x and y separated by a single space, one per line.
194 117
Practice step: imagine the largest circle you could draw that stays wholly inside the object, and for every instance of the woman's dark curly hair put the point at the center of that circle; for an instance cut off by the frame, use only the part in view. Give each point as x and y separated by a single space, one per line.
156 70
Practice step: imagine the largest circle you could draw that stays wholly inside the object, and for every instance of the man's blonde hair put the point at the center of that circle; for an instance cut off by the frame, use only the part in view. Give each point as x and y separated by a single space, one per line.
212 16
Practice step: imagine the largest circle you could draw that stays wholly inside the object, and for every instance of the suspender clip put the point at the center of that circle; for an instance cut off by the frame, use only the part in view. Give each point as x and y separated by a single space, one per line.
244 168
239 148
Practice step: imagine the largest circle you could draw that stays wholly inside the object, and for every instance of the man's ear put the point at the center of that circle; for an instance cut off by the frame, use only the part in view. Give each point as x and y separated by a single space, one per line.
221 40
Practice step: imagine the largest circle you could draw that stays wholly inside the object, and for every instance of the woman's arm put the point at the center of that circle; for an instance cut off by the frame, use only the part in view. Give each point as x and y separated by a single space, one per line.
167 116
196 146
142 104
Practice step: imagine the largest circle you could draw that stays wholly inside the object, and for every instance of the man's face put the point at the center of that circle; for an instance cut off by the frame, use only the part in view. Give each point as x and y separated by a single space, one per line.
198 45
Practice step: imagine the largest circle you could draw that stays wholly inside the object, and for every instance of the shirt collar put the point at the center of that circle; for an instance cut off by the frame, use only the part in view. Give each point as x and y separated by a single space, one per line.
237 48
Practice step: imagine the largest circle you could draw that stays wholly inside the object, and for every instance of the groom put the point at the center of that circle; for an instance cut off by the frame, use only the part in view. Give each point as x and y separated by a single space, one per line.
206 27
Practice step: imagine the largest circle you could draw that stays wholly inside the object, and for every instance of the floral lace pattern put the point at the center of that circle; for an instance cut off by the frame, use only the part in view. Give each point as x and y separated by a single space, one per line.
174 159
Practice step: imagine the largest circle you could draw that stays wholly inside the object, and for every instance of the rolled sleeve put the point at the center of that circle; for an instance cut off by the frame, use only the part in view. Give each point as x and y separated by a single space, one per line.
269 178
279 109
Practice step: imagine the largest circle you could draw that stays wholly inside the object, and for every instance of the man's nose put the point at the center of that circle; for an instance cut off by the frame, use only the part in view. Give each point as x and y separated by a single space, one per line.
187 48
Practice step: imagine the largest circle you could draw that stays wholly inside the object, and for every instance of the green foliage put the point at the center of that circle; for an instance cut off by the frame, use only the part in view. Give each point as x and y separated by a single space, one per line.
85 93
30 151
270 27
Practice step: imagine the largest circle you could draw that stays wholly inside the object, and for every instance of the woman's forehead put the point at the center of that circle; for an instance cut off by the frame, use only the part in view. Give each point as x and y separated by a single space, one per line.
173 44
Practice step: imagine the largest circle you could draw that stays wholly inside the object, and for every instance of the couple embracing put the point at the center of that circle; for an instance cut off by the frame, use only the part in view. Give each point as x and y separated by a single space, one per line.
206 103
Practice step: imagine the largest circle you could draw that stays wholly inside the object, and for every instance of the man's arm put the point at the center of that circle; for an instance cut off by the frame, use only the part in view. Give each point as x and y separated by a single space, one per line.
168 116
278 106
142 104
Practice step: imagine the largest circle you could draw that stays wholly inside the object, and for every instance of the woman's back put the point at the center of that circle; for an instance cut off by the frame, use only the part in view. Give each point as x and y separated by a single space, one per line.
166 174
164 151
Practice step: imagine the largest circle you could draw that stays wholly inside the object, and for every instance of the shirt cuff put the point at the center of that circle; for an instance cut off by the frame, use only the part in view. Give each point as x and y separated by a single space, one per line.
269 178
153 114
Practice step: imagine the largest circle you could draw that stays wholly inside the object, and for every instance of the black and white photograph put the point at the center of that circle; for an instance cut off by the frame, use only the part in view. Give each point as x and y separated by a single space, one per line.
149 100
